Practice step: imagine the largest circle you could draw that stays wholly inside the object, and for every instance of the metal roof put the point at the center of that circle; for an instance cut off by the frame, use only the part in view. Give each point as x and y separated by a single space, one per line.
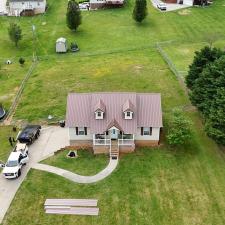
146 110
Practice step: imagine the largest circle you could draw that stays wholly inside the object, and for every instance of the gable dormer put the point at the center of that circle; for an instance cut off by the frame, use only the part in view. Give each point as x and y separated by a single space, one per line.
128 110
99 110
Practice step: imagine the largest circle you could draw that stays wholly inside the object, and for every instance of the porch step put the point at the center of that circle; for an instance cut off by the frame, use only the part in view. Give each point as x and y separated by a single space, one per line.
114 153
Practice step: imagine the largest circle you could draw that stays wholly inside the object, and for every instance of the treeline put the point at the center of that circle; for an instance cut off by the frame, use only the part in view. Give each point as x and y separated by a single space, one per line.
206 81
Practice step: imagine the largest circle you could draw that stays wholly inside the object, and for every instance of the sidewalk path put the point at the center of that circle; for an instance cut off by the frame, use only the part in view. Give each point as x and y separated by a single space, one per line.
78 178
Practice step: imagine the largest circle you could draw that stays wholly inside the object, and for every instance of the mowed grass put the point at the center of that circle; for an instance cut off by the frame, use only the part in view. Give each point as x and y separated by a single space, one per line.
138 71
160 186
85 164
5 147
11 77
112 29
182 54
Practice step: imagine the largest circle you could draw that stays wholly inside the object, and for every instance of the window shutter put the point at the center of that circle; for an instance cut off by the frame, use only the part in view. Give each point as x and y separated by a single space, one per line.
107 132
76 130
121 132
141 131
150 131
85 130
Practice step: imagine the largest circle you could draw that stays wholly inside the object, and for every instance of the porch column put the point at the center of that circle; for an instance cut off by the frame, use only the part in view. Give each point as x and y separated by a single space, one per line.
93 139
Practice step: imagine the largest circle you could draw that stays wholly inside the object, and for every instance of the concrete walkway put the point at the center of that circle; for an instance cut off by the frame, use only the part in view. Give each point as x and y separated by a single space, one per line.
78 178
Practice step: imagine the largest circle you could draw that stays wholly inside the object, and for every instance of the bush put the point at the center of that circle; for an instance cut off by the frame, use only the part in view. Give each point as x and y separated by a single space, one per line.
21 61
179 130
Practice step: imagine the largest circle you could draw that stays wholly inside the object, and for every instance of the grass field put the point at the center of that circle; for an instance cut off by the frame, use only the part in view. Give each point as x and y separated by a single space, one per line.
162 186
5 149
85 164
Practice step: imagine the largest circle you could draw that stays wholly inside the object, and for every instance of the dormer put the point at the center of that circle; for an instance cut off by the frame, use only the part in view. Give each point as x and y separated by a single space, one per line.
99 110
128 110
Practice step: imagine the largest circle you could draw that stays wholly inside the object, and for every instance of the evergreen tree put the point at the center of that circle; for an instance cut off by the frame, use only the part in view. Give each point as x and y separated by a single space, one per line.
140 10
15 33
73 15
201 60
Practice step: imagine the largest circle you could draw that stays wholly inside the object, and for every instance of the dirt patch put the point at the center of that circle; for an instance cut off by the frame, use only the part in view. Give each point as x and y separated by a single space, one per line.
184 12
138 68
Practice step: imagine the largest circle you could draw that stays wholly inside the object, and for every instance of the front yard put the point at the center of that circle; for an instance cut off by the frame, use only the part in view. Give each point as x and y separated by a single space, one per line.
85 164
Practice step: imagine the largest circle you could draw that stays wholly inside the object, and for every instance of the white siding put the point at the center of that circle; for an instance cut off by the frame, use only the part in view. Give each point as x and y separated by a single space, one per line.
61 47
188 2
73 136
153 137
16 8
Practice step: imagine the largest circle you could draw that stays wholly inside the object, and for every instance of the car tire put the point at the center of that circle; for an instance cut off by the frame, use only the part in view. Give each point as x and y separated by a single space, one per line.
19 173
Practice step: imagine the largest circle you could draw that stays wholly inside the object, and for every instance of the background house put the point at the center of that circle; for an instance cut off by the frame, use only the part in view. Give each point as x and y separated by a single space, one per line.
105 120
97 4
26 7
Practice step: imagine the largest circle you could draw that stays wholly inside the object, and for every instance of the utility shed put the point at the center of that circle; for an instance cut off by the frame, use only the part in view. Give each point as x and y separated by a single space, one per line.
61 45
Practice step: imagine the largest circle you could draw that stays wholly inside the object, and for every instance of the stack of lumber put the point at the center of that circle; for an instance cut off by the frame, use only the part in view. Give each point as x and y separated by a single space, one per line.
72 206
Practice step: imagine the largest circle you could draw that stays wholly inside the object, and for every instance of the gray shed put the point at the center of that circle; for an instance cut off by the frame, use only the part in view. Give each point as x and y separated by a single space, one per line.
61 45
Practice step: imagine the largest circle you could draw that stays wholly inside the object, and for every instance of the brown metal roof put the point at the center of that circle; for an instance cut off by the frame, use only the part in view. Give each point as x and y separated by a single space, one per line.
128 106
100 106
146 108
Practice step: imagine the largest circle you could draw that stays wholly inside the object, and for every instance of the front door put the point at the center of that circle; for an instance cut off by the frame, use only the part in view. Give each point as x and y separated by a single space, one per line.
114 134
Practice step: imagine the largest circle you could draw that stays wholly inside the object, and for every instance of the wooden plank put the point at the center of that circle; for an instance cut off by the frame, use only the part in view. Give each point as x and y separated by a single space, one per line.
75 211
57 207
71 202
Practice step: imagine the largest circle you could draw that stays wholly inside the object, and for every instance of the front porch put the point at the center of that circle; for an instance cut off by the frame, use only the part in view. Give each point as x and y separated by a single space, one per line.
113 144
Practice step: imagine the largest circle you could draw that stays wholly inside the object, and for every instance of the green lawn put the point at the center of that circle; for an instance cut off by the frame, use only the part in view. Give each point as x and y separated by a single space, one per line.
5 148
85 164
11 77
141 71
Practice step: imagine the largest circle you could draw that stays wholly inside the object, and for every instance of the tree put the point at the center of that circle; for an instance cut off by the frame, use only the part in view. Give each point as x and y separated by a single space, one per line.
201 60
140 10
21 61
208 95
15 33
179 130
73 15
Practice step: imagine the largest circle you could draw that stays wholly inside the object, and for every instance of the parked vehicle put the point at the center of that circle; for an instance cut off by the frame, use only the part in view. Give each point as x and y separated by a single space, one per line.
29 134
74 47
84 6
16 161
2 112
161 6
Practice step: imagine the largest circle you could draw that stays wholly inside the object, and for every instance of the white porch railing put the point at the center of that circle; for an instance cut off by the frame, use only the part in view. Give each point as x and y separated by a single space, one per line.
128 142
101 142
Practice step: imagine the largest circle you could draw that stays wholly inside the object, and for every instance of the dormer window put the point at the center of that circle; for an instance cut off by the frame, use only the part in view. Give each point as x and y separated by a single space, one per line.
128 110
99 110
99 115
128 115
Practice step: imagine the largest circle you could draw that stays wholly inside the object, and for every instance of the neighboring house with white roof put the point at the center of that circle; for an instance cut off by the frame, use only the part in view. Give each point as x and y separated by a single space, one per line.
106 121
26 7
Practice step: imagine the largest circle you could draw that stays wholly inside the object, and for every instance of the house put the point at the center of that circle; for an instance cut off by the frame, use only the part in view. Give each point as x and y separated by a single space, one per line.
26 7
97 4
61 45
106 121
182 2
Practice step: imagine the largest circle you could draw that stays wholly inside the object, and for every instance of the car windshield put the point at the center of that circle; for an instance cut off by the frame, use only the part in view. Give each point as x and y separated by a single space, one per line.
12 163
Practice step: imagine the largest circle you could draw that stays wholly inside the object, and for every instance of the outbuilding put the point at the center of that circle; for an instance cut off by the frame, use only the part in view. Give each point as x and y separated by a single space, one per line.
61 45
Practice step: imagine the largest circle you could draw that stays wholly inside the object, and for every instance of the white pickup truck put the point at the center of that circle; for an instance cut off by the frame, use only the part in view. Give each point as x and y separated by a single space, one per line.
16 160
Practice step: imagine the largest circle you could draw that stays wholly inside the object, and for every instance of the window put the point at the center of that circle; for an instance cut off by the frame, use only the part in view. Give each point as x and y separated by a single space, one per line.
146 131
81 130
99 115
128 115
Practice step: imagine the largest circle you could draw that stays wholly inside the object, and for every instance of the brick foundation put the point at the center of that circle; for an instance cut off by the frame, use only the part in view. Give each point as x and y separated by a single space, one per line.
143 143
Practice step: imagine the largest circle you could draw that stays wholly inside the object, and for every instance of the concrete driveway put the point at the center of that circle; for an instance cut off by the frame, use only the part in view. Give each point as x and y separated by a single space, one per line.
170 6
50 140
